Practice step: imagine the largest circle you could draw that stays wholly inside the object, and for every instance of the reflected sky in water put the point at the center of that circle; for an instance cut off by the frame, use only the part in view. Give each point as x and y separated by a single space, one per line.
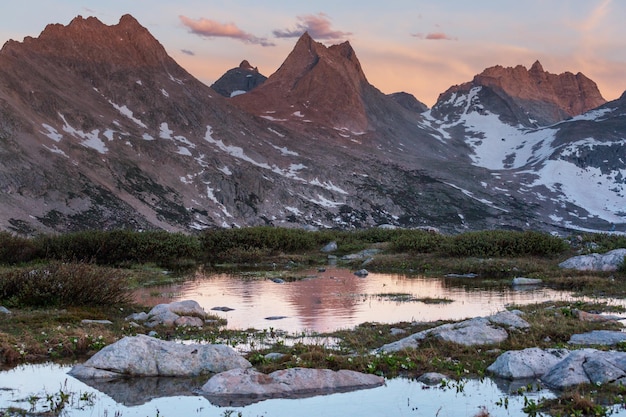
337 299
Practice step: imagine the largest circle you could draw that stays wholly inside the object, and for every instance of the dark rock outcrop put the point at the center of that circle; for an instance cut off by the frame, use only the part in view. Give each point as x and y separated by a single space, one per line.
239 80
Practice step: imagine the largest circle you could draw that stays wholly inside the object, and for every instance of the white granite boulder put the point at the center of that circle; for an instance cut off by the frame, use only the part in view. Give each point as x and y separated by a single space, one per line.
146 356
609 261
239 387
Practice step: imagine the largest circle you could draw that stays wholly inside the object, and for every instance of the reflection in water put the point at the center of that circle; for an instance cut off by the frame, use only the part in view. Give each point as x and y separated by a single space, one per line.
130 398
336 299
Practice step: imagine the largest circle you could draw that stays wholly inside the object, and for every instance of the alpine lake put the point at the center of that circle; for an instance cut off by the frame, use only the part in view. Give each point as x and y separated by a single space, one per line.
302 307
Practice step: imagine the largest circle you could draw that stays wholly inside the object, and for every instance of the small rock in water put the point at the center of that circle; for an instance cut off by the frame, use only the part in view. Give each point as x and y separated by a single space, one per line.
432 378
222 309
470 275
275 317
526 281
361 273
277 280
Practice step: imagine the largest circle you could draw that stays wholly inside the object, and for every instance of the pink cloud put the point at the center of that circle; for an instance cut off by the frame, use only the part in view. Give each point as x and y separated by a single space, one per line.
318 26
210 29
434 36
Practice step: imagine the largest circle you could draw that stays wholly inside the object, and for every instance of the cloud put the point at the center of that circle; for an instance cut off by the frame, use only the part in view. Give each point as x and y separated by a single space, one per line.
212 29
318 26
188 52
434 36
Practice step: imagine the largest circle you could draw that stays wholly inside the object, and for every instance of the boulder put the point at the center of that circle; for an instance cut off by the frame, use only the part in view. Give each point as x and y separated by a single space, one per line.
609 261
598 337
330 247
527 363
476 331
146 356
432 378
4 310
595 318
168 314
361 273
240 387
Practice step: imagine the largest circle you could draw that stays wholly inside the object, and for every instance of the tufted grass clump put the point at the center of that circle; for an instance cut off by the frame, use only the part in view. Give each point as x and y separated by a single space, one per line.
60 284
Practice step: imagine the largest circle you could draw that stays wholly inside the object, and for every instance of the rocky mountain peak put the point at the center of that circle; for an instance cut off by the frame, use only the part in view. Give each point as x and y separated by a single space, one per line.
532 96
126 44
318 83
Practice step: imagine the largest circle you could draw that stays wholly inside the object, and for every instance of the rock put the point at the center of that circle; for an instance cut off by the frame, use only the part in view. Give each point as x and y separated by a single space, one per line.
224 309
4 310
527 363
432 378
595 318
277 280
142 355
609 261
476 331
598 337
138 317
470 275
187 321
361 273
395 331
168 314
587 366
274 356
520 281
88 321
240 387
275 317
364 254
568 372
330 247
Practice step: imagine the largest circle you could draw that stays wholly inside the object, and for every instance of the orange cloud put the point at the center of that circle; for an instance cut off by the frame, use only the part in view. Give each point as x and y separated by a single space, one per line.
434 36
210 28
318 26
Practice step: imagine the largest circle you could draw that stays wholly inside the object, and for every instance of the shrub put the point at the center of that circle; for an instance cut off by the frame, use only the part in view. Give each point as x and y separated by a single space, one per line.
416 241
121 247
15 249
500 243
63 284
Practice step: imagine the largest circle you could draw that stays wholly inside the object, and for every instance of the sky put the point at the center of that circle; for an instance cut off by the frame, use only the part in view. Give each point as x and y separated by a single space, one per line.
419 46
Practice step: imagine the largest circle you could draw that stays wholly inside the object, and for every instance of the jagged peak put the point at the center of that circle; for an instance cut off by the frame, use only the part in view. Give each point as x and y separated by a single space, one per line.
536 67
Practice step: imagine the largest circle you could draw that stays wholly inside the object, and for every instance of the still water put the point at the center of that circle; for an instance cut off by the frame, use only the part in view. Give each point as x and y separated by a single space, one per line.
338 299
314 302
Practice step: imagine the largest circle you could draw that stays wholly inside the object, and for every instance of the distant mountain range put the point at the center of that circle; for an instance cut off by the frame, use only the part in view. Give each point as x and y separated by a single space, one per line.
100 128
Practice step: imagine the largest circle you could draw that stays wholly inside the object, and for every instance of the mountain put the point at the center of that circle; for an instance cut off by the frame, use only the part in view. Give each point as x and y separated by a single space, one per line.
544 141
239 80
408 101
530 97
100 128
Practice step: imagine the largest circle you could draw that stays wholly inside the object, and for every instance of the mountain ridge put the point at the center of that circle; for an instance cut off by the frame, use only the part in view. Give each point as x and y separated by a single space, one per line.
144 144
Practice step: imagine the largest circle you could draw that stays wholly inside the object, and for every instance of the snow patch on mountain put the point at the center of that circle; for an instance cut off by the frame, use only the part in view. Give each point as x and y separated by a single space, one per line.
90 139
125 111
587 188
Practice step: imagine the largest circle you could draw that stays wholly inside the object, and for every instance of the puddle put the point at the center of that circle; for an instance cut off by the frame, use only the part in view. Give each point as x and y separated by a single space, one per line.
161 397
337 299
